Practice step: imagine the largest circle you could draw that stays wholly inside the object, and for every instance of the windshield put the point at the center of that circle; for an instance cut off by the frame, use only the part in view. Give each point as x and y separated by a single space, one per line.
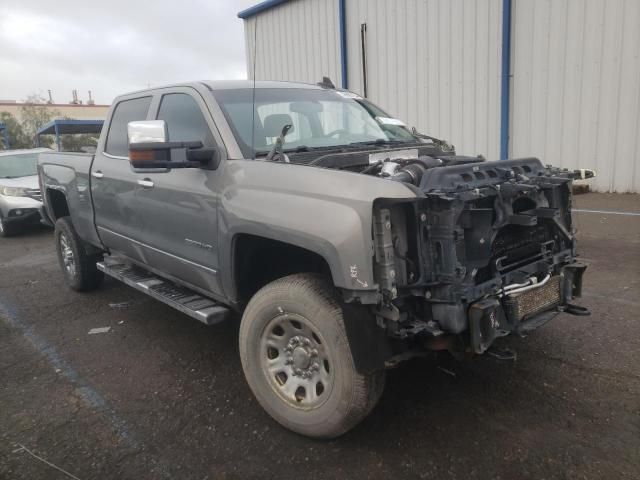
320 119
18 165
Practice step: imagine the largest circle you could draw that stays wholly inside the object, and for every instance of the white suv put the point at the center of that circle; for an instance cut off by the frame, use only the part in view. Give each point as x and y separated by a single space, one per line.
20 197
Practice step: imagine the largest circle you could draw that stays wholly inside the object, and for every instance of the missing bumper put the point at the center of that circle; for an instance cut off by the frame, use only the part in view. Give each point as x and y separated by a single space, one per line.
525 310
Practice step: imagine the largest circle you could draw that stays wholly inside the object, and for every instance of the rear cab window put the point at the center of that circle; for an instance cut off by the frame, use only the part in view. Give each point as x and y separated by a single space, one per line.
126 111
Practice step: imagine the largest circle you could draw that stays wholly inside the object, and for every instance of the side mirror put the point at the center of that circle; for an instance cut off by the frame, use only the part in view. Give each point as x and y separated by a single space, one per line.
149 148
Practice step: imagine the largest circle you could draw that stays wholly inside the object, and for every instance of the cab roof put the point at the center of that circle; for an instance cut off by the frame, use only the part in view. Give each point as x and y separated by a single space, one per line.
233 84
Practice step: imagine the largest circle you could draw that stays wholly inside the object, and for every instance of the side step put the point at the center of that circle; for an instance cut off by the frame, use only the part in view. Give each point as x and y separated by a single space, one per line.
193 304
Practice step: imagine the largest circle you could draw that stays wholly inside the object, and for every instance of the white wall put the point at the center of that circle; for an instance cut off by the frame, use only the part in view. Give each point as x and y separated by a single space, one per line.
431 63
434 64
296 41
576 87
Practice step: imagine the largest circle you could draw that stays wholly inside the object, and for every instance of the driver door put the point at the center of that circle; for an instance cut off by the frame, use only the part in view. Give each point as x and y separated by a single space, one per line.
178 210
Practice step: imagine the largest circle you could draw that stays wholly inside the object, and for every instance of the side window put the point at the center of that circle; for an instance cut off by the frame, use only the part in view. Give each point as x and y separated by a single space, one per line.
125 112
185 121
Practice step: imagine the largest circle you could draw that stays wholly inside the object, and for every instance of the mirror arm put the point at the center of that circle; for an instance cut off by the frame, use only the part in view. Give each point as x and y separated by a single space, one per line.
162 164
157 155
164 145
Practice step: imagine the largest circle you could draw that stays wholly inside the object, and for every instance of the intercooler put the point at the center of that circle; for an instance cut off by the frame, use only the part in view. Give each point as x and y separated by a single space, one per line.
521 306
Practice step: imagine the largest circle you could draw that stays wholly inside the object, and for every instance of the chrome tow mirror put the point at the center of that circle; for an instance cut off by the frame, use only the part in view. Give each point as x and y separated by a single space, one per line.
147 131
150 149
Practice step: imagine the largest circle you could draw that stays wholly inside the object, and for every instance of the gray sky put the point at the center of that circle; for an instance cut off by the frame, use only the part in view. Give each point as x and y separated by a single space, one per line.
114 46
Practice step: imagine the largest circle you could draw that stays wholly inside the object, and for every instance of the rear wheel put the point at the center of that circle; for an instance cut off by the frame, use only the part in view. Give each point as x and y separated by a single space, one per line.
297 360
79 267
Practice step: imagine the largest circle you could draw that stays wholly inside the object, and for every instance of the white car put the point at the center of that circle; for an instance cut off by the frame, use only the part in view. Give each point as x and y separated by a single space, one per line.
20 197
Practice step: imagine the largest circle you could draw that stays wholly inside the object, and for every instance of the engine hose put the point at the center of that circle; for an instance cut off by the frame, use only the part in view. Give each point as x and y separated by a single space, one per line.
411 173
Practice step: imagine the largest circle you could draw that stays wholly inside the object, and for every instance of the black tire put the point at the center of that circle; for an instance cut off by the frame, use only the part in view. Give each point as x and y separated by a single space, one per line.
78 266
6 229
269 323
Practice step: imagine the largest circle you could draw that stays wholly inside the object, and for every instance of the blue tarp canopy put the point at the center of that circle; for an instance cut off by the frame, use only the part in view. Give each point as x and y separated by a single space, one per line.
68 127
63 127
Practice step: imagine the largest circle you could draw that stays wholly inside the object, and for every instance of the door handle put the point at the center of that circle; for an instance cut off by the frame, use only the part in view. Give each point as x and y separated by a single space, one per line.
145 183
97 174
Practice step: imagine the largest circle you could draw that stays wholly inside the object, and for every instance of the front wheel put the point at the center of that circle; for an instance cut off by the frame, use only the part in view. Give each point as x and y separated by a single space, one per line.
297 360
79 267
6 230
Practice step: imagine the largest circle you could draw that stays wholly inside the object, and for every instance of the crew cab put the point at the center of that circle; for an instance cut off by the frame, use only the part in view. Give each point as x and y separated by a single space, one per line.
344 240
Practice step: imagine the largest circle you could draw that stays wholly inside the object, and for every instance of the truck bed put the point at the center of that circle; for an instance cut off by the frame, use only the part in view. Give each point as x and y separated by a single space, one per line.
69 174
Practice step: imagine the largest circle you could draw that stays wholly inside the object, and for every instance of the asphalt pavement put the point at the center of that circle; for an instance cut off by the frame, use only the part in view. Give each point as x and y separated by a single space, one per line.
163 396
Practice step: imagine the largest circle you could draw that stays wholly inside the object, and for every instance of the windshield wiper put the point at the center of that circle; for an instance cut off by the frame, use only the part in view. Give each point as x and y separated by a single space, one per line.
299 148
277 147
378 141
444 146
306 148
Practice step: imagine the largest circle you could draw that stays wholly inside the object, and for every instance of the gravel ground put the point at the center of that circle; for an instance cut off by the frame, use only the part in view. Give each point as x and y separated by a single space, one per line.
162 396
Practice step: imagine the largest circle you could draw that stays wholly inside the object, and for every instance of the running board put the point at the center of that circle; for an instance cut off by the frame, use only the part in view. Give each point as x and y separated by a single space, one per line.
187 301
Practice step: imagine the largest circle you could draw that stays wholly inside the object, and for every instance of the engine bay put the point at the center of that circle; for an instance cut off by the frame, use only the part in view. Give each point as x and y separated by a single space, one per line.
488 248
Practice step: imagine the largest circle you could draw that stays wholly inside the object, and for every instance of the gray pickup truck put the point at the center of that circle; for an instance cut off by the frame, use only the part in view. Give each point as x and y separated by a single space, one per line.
346 241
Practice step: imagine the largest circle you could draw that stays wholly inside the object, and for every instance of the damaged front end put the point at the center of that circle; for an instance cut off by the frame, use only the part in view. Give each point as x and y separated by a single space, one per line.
487 250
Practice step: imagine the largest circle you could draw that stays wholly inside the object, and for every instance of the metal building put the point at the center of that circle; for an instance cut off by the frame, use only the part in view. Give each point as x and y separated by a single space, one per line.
558 79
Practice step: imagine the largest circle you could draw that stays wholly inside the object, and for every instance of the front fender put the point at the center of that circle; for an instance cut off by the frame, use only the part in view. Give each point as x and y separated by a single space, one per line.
325 211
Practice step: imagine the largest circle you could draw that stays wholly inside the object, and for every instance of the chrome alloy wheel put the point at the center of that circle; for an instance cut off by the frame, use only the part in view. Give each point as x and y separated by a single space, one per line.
67 255
295 360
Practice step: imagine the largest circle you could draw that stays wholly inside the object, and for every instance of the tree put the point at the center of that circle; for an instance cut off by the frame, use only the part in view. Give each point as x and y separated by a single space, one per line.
17 137
85 142
34 114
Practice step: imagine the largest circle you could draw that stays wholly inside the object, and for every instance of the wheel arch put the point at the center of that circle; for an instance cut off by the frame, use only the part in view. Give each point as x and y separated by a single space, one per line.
258 260
56 203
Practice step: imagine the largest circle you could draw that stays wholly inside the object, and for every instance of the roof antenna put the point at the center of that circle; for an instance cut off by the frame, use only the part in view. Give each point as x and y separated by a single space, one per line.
326 83
253 102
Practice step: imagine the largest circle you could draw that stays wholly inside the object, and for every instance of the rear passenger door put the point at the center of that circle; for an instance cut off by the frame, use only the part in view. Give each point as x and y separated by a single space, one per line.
113 182
178 210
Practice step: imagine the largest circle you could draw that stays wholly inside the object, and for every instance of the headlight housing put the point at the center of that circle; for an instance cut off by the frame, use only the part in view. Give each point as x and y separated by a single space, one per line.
13 191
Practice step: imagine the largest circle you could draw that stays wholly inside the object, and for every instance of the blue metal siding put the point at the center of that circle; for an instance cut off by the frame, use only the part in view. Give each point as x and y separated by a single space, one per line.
343 43
505 96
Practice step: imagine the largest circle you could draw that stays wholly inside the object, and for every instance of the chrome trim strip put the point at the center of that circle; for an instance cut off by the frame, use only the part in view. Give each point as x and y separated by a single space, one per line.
117 157
215 272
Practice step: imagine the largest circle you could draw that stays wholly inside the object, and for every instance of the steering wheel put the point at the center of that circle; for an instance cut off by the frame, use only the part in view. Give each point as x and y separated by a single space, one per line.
338 132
